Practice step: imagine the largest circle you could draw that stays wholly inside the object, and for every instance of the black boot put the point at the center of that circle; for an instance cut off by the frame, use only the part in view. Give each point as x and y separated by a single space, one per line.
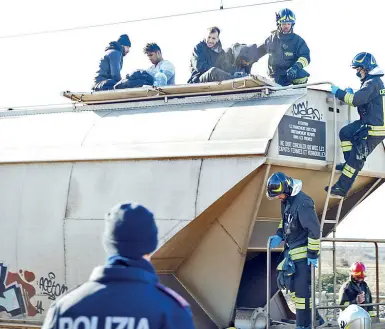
340 166
336 190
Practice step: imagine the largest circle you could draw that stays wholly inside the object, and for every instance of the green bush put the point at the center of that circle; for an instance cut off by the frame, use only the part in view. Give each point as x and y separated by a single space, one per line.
328 279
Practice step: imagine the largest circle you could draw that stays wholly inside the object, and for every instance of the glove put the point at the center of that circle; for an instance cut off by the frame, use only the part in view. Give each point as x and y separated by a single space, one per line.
334 89
361 298
313 261
349 90
292 72
275 241
239 74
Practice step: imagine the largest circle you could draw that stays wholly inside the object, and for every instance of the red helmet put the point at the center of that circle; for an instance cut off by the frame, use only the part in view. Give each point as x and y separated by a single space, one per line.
358 270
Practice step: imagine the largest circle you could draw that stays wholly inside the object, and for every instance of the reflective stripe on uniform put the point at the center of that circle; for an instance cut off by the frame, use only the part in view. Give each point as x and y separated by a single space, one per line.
300 80
298 253
280 224
372 313
346 146
303 61
313 244
348 99
300 303
348 171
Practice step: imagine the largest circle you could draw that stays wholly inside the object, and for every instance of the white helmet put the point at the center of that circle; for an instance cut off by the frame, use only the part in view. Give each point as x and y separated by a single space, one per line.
354 317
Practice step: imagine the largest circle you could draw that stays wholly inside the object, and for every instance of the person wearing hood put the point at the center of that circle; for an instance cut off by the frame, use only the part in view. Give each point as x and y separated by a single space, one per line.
125 292
241 58
208 61
360 138
299 229
288 52
111 64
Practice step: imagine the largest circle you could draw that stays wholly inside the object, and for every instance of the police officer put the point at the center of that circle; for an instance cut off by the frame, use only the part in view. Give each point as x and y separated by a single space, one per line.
356 291
288 52
124 293
300 230
359 138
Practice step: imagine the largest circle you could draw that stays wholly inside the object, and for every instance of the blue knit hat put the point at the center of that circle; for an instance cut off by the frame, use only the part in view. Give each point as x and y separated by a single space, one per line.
124 40
130 231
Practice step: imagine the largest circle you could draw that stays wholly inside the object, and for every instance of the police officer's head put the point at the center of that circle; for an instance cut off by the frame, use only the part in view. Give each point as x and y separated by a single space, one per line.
130 231
279 186
363 63
285 19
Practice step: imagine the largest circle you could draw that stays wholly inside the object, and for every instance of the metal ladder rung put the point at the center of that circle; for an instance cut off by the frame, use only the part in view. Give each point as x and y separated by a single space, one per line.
331 221
332 196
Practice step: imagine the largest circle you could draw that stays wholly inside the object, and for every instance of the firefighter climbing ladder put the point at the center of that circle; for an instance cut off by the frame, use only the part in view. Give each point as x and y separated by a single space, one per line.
335 223
334 239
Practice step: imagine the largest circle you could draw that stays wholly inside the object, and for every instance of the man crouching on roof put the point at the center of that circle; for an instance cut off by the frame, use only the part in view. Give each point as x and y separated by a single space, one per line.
111 64
208 61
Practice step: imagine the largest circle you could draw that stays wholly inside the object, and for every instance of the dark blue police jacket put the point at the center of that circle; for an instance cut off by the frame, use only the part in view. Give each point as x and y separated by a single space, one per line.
124 295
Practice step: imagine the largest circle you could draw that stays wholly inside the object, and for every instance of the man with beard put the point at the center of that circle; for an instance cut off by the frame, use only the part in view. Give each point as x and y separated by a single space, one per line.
111 64
154 54
288 52
208 62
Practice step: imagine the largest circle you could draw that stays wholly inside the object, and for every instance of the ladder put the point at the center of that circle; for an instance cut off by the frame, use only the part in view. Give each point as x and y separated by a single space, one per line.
324 221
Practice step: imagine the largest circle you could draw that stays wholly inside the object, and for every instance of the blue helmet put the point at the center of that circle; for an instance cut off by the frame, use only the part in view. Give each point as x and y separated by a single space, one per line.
364 60
285 16
277 184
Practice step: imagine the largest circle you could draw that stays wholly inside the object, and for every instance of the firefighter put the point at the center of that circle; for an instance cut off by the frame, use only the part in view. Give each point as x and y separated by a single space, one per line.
288 52
350 316
356 290
360 138
300 230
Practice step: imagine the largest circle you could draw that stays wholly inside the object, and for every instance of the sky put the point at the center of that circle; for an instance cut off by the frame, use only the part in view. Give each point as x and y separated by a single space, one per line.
36 69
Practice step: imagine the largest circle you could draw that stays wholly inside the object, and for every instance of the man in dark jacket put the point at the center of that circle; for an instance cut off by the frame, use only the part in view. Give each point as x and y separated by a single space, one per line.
111 64
208 62
300 230
288 52
360 138
240 58
124 293
356 290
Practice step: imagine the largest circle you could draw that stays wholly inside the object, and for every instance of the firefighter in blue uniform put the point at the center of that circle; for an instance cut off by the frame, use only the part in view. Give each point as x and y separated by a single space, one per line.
288 52
300 231
360 138
124 293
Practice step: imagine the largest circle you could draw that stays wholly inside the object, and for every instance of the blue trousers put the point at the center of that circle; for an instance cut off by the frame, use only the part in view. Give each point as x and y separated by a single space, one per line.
349 147
302 77
105 85
301 293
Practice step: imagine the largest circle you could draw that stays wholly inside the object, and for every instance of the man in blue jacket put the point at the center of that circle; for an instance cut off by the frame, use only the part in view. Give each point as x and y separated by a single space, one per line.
124 293
288 52
111 64
208 61
360 138
300 230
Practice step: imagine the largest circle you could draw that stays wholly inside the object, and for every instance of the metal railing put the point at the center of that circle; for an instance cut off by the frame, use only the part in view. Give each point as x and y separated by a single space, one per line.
335 306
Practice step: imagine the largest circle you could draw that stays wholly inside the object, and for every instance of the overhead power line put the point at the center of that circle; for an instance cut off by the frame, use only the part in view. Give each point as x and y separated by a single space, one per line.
139 20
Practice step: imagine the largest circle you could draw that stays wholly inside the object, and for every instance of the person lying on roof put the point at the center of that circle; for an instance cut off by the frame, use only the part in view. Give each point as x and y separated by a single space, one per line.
111 64
240 58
